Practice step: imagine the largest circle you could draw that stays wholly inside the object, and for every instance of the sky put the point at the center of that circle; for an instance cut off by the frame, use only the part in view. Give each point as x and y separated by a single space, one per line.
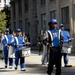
9 0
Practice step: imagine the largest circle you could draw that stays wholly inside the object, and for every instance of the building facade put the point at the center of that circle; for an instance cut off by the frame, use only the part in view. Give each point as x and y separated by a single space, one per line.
31 16
2 4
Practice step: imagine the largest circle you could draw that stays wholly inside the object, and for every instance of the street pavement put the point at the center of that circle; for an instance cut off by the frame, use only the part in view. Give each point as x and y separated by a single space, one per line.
33 66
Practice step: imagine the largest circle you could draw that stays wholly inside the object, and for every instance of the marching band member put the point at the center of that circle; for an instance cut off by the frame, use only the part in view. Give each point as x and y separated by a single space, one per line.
45 51
18 44
12 49
66 40
40 41
54 44
7 38
45 55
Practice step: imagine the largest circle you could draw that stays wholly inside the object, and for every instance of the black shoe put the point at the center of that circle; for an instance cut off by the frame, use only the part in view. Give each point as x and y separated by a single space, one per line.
39 54
43 64
5 66
47 72
68 65
15 68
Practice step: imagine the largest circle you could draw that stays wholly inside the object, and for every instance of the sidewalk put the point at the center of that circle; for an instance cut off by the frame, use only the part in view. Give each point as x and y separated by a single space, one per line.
33 66
35 56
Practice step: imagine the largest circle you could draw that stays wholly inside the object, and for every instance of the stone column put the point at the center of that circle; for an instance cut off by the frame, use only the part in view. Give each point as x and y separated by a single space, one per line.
71 11
23 18
17 14
47 13
38 15
72 22
58 11
31 21
32 12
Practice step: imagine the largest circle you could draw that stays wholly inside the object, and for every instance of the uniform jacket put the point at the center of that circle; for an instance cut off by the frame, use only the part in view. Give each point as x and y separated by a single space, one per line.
53 37
18 40
7 39
66 36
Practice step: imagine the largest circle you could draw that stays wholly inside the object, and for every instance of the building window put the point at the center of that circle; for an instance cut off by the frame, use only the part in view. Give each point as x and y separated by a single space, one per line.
27 26
53 14
43 2
26 5
20 6
65 15
43 22
20 25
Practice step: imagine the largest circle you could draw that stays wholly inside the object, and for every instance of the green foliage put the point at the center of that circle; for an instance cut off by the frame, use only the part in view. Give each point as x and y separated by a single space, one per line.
2 21
8 16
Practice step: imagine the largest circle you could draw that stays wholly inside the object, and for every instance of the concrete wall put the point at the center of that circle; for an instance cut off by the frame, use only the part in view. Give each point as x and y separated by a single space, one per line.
34 15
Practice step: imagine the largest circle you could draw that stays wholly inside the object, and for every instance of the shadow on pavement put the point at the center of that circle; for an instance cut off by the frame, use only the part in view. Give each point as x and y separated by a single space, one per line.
33 65
35 52
1 70
35 69
72 54
38 69
68 71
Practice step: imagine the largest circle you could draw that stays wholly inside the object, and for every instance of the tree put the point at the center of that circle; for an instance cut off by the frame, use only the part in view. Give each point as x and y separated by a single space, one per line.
2 22
8 15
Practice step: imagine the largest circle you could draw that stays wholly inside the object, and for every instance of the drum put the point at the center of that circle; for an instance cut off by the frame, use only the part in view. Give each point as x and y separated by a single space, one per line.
25 51
1 46
11 52
1 51
66 48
